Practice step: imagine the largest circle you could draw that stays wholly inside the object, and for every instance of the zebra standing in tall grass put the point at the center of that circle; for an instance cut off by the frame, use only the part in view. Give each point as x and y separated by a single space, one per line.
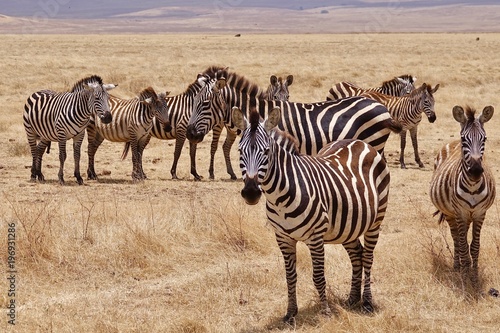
312 124
59 116
132 123
278 88
407 110
335 197
463 188
398 86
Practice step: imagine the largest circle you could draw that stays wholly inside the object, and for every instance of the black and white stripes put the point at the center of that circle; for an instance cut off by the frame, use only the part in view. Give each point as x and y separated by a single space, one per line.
312 124
463 188
52 116
335 197
132 123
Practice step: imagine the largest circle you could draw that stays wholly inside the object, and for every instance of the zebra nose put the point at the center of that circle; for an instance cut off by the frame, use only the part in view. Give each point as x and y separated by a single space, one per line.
107 118
432 118
193 135
476 170
167 127
251 192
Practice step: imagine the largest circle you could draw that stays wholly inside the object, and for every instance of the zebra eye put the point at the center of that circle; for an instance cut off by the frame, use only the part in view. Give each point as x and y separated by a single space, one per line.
266 151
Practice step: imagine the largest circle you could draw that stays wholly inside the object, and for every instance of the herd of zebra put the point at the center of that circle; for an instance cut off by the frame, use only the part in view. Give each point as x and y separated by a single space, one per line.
320 165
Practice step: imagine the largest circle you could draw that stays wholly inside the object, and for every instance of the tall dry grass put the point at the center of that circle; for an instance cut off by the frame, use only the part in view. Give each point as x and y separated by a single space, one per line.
184 256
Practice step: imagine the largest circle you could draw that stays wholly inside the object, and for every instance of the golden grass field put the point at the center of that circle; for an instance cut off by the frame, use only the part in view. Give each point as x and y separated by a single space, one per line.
183 256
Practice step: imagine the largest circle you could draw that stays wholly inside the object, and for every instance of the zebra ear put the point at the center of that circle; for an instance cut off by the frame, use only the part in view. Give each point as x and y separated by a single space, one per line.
414 79
272 119
458 114
109 86
148 100
433 90
201 78
289 80
238 118
486 114
220 84
273 79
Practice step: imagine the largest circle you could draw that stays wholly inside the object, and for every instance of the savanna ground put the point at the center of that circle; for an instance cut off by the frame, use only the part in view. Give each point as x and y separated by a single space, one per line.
183 256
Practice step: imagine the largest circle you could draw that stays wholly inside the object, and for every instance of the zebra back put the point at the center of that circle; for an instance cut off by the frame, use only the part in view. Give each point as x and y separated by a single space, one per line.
398 86
313 124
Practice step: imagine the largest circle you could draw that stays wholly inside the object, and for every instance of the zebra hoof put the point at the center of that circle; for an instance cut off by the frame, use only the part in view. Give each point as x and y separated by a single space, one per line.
289 319
233 177
367 307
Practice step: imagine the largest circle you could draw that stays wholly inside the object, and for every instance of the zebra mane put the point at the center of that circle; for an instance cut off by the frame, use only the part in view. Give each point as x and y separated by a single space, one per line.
149 92
254 120
470 113
286 141
212 72
85 81
245 86
406 77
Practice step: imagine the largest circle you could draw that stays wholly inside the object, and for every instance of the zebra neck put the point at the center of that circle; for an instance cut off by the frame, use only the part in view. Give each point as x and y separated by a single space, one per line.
469 190
283 155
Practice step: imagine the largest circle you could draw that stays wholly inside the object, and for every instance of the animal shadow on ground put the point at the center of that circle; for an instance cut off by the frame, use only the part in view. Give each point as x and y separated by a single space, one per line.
310 316
443 271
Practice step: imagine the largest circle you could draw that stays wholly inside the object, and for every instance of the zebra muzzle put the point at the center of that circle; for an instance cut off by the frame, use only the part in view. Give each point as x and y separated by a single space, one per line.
251 192
106 118
193 135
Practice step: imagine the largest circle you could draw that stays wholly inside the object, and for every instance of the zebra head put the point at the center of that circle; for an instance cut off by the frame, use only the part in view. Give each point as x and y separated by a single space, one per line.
405 84
208 110
473 138
158 104
98 100
254 148
278 89
427 100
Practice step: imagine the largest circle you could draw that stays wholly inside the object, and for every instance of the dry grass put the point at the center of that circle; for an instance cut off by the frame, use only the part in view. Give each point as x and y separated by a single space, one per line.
184 256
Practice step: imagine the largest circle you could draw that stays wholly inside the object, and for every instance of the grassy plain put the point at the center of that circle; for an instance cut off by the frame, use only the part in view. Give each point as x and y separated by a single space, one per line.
185 256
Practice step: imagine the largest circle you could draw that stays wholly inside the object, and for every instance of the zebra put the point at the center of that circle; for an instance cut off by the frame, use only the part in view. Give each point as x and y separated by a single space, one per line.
180 109
462 187
313 124
398 86
59 116
132 122
334 197
407 110
278 88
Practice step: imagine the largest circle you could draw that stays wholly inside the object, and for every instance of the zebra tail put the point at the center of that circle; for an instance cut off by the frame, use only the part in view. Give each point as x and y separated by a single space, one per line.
125 150
441 216
48 147
394 125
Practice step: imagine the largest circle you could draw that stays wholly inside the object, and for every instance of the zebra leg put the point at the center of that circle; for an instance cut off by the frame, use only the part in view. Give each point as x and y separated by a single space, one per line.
456 244
355 251
179 142
317 249
62 159
402 136
77 145
474 249
414 142
192 155
36 169
143 142
226 148
94 141
216 131
136 159
288 249
370 241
